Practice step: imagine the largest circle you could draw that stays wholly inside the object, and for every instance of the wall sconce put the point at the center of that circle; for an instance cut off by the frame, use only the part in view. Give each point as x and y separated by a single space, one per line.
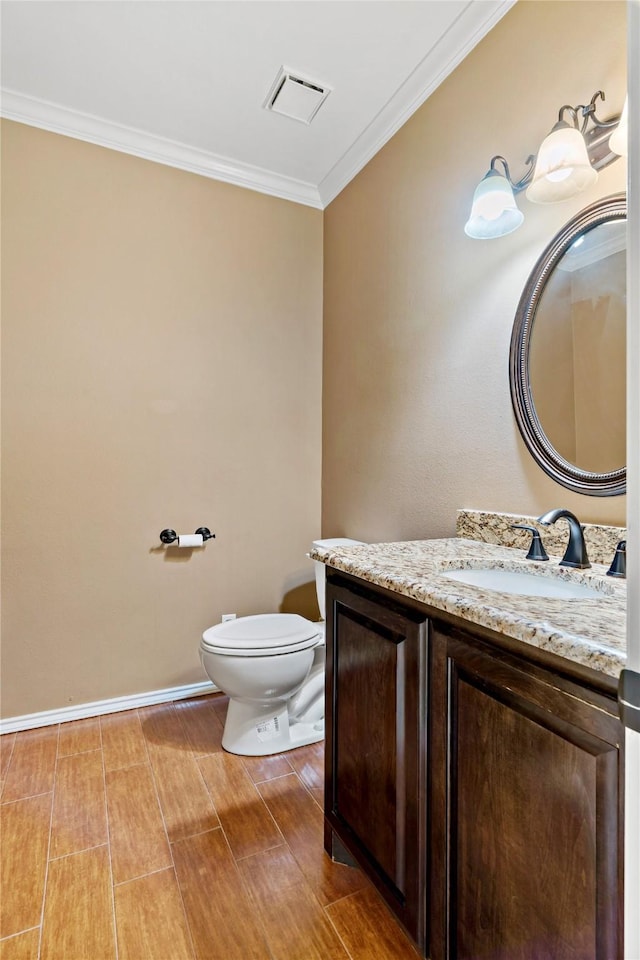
567 163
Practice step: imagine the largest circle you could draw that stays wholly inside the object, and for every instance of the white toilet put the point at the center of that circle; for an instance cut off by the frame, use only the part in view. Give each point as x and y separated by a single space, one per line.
272 668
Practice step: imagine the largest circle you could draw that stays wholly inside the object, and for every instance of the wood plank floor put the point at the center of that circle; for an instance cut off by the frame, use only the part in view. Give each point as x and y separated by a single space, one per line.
136 837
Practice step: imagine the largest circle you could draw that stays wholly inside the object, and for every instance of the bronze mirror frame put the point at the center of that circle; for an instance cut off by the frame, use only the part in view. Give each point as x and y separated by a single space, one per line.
565 473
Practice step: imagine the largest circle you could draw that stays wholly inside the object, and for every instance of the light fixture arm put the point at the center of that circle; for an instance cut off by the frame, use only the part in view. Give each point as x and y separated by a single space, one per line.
574 116
516 185
589 112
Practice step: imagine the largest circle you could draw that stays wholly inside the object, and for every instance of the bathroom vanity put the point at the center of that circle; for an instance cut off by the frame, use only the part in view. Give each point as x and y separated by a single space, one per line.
474 762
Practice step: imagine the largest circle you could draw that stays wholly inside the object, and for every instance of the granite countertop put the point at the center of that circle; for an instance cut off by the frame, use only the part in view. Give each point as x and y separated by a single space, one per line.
590 632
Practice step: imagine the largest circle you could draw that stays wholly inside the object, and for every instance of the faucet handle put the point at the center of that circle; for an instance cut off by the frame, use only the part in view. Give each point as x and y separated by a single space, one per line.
536 550
618 566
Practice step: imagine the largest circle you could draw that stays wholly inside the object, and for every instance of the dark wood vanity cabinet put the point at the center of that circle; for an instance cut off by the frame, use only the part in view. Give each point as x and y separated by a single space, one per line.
376 783
480 789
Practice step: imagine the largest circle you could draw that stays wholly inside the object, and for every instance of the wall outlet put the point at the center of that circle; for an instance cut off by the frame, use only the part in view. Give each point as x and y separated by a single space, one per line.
228 616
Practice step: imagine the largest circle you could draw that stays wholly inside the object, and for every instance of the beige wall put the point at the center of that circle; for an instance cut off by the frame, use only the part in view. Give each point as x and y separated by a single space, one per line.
162 367
417 413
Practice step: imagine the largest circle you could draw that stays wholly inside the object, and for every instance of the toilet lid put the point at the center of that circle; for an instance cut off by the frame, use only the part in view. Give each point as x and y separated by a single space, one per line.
267 631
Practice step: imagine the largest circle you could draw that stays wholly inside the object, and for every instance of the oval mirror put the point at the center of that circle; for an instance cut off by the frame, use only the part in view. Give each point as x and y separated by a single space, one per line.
568 353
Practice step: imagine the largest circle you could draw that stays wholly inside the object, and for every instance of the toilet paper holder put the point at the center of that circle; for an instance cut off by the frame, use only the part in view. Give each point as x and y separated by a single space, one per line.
170 536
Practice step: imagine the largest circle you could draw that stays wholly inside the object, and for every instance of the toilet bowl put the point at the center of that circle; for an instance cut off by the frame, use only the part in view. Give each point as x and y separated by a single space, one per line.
272 668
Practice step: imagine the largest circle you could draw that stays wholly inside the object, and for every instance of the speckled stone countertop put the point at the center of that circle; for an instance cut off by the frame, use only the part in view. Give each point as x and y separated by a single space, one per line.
590 632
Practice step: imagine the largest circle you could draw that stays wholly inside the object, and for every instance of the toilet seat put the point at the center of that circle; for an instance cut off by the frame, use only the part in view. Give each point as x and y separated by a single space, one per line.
264 635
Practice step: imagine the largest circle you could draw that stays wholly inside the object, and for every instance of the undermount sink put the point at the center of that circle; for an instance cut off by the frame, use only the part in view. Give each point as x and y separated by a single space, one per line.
523 584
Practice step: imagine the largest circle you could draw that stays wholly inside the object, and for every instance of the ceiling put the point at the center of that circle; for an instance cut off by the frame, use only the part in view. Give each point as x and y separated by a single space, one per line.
184 82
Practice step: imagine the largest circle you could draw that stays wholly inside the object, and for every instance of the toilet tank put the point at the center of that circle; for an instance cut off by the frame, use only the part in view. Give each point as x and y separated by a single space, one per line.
320 567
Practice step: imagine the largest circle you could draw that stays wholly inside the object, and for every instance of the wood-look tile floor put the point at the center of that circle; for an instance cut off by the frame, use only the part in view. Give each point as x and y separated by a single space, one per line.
134 836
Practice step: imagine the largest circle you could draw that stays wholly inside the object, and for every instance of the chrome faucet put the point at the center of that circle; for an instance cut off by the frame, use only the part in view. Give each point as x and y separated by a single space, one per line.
576 553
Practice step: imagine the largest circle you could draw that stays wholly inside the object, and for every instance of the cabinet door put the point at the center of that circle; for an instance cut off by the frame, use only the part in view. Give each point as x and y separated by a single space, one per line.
526 782
375 794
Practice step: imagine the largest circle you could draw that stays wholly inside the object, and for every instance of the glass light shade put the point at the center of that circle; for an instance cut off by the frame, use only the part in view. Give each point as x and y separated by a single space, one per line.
618 141
562 166
494 212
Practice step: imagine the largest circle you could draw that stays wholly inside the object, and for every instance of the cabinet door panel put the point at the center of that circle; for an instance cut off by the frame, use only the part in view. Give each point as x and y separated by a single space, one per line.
532 805
526 802
369 739
375 792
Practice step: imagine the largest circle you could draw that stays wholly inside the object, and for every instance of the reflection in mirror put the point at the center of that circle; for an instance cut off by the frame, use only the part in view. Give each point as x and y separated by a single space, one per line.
568 353
578 351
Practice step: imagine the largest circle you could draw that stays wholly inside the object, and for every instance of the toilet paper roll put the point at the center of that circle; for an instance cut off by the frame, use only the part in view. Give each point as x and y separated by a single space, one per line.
190 540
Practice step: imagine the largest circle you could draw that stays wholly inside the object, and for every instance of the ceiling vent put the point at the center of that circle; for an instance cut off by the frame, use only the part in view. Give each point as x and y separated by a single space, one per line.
296 97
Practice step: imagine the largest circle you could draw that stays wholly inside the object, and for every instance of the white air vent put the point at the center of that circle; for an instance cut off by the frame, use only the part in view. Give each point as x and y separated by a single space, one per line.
295 96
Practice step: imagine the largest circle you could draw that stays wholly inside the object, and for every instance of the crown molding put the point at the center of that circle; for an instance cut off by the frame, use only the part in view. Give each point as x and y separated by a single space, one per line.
469 28
114 136
475 21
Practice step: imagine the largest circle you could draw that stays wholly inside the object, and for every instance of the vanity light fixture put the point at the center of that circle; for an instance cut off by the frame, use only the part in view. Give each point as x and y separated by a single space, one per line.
567 163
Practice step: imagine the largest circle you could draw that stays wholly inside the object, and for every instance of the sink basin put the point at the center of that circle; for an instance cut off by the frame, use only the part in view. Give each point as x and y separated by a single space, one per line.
524 584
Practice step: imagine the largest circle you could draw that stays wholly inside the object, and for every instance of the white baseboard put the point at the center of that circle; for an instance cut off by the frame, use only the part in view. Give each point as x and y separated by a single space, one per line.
100 707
